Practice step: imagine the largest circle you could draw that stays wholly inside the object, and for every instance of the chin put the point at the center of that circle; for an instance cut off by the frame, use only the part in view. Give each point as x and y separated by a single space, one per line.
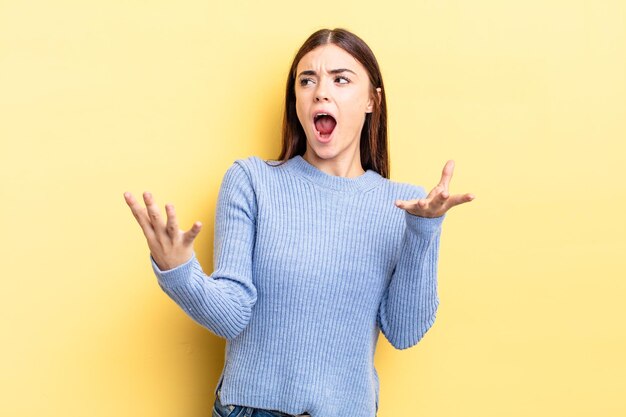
324 151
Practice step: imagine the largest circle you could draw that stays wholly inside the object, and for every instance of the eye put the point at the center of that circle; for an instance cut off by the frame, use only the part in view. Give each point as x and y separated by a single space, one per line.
341 78
305 81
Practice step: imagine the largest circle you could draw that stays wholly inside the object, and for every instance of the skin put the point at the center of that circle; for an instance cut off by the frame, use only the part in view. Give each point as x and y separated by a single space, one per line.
169 246
439 200
348 96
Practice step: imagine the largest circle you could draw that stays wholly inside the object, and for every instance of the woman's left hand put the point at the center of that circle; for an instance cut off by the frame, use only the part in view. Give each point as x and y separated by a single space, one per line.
439 200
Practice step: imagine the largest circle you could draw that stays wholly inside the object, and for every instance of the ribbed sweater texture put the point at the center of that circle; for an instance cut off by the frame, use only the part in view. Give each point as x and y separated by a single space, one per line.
309 268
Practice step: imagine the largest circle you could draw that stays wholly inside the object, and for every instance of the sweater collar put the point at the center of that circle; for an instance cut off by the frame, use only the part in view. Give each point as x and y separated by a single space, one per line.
366 181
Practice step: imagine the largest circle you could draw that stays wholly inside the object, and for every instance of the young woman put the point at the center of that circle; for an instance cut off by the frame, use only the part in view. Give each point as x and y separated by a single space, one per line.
315 253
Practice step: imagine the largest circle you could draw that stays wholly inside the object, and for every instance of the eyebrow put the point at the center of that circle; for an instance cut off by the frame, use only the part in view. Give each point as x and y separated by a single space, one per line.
334 71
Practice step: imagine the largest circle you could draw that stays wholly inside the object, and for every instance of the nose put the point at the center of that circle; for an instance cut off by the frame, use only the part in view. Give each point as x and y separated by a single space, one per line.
320 93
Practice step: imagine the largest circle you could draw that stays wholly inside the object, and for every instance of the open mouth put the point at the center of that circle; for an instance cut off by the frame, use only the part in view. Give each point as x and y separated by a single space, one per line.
324 124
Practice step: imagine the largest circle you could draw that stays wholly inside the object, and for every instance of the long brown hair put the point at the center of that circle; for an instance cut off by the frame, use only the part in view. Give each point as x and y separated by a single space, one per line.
373 143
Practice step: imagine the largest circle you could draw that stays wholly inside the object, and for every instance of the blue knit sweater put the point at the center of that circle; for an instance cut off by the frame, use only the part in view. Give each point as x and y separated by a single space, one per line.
308 267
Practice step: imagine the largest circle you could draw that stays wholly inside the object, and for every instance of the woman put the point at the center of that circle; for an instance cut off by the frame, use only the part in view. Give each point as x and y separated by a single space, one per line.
314 253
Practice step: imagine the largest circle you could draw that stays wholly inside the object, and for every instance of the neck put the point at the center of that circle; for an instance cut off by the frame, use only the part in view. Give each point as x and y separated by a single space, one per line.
348 166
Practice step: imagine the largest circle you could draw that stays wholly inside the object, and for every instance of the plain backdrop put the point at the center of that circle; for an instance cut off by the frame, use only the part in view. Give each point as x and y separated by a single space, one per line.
102 97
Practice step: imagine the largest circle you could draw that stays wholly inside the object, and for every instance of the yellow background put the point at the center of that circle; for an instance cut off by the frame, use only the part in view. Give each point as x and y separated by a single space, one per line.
529 99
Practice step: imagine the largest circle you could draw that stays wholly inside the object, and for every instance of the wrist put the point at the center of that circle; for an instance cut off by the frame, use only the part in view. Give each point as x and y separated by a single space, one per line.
170 264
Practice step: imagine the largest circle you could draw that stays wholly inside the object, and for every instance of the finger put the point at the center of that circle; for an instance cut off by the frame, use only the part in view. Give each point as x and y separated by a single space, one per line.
154 214
191 234
435 191
172 221
446 174
140 215
420 203
406 203
441 198
457 199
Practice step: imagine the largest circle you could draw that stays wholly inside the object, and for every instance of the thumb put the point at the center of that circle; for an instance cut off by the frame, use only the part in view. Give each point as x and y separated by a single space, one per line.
190 235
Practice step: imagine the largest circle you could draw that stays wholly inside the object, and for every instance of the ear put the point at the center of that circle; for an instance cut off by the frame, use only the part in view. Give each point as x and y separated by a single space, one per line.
370 102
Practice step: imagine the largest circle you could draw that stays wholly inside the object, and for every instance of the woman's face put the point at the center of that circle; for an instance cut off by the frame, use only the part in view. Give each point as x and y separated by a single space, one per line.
330 82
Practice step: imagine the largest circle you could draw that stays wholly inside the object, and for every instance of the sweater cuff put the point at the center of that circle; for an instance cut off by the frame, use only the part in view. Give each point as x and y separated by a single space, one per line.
176 276
423 225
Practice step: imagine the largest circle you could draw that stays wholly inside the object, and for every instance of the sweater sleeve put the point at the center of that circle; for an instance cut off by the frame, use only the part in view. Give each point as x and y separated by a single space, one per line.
409 304
223 301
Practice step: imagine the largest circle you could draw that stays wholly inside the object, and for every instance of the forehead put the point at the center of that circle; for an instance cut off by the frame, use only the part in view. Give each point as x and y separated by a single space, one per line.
328 57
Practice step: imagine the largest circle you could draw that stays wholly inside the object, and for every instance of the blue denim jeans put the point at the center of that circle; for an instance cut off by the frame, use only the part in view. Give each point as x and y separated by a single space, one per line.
221 410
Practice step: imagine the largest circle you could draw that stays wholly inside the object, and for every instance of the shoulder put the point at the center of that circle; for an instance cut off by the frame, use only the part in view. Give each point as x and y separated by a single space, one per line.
254 166
252 170
405 190
255 163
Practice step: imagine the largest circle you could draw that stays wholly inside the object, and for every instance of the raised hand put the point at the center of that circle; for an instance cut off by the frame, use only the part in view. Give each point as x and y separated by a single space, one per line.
439 200
169 246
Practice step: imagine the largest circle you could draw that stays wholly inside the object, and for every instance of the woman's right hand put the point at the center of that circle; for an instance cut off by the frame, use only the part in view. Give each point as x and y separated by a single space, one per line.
169 246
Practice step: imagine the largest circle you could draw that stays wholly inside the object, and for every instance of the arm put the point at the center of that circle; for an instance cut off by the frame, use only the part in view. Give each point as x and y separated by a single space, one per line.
409 304
223 301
